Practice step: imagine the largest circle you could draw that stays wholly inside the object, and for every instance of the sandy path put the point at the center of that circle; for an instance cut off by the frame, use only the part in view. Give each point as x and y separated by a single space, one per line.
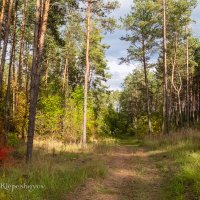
132 175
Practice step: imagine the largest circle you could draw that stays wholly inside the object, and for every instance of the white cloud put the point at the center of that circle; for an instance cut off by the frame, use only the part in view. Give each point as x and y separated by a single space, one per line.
118 48
118 72
195 16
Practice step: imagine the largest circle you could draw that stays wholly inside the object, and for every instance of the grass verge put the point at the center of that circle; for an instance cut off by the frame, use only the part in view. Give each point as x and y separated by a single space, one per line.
51 175
183 150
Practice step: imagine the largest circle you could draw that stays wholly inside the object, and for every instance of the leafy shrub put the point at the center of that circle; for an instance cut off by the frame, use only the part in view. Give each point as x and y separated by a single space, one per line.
13 141
49 115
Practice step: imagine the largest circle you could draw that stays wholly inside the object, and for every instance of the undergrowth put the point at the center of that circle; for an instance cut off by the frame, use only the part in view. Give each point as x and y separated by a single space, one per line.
183 149
53 172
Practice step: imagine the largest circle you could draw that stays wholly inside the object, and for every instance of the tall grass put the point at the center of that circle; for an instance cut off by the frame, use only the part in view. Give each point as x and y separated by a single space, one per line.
56 169
184 149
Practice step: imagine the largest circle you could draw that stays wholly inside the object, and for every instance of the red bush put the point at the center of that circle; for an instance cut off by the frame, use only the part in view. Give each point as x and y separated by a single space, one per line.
4 152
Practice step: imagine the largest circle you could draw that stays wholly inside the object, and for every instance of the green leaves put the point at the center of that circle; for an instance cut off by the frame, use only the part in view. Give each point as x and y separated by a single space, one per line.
142 26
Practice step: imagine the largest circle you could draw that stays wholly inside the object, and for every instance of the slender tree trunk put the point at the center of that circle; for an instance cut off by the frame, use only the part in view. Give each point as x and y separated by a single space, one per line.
147 88
3 58
1 19
34 77
187 89
2 64
27 96
65 89
179 107
14 86
2 136
47 75
22 46
193 100
165 75
7 107
177 89
39 39
170 102
66 74
198 99
87 72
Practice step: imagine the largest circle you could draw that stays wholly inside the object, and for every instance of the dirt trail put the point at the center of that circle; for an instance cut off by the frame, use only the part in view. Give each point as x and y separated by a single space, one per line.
132 175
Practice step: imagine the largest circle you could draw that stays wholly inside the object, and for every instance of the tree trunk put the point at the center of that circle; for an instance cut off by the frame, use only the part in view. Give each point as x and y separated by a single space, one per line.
165 75
170 102
65 89
187 89
22 46
198 99
147 88
14 86
3 58
180 110
47 75
27 96
66 74
39 39
87 72
7 107
177 89
1 19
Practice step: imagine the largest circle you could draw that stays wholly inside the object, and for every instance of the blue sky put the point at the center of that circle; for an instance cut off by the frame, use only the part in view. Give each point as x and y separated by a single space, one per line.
118 48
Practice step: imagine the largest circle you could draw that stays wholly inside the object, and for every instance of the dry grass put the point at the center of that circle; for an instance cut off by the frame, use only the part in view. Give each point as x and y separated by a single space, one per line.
188 136
60 168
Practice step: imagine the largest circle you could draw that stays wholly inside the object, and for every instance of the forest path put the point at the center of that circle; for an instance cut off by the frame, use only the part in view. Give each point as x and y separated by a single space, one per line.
134 173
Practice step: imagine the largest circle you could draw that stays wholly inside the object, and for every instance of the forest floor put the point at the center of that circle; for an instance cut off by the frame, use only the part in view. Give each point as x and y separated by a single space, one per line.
134 173
155 168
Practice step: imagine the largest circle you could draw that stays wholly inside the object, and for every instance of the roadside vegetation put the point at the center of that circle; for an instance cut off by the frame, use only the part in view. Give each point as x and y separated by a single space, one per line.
182 152
56 170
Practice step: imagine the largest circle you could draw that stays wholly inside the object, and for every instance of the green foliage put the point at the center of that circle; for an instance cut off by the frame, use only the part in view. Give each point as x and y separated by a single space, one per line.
142 27
66 122
19 113
73 116
133 103
13 141
49 115
115 123
156 123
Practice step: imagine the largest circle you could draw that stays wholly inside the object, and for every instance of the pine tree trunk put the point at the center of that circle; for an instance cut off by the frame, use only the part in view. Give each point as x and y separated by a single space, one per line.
179 108
14 86
177 89
198 99
34 75
147 88
65 89
39 39
27 96
2 64
66 74
3 58
170 101
47 75
7 107
1 19
22 46
165 75
187 89
87 72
